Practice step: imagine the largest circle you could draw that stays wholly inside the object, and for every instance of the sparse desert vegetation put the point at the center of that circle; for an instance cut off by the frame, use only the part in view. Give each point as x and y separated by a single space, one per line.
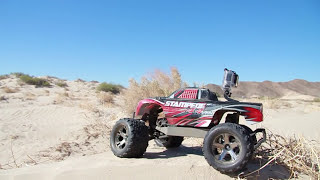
4 76
10 90
297 155
74 118
3 98
106 98
153 85
109 87
29 96
316 100
38 82
61 84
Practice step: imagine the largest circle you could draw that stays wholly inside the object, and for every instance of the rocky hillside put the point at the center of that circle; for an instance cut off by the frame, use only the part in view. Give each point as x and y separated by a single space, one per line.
272 89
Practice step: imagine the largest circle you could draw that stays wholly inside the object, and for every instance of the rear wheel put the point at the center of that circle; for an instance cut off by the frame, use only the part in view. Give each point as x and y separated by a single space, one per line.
253 138
227 147
169 142
129 138
163 140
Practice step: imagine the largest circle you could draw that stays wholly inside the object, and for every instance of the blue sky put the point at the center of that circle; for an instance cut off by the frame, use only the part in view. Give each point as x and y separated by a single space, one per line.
277 40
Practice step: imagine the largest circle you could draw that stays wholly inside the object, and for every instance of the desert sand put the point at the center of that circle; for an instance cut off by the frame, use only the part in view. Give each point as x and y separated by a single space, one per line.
62 133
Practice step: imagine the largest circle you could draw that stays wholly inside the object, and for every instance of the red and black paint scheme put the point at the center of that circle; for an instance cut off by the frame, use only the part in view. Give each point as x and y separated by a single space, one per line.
194 112
197 107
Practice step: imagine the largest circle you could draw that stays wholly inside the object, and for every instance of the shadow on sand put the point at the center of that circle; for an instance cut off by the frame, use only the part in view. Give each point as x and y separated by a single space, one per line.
174 152
271 171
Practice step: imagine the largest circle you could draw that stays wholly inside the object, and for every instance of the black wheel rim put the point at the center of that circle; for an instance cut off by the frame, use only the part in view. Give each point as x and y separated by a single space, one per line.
226 148
121 137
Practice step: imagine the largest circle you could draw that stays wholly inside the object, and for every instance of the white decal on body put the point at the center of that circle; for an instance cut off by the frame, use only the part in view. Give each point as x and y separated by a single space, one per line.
185 104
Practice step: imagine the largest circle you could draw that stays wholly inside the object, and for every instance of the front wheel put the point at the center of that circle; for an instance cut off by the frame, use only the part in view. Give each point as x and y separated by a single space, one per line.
129 138
227 147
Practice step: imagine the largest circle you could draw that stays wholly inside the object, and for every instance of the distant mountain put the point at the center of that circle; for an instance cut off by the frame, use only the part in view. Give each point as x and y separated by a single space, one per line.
271 89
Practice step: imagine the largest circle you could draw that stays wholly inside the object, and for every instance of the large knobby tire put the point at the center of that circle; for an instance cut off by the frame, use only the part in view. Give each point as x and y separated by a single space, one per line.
227 147
253 138
169 142
129 138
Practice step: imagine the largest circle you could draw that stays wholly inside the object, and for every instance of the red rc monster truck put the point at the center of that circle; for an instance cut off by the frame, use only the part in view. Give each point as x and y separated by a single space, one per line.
193 112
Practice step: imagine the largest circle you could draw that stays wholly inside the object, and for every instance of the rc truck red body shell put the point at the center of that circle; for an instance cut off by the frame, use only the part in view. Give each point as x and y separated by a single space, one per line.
197 107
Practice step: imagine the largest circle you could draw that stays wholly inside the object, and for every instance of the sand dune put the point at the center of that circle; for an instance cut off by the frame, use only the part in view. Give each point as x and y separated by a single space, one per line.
62 133
185 162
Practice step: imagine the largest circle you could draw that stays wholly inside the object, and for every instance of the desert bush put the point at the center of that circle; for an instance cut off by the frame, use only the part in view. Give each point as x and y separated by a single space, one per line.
316 100
38 82
64 148
297 154
4 76
9 90
105 97
61 84
80 80
18 74
29 96
156 84
3 98
109 87
61 98
47 92
90 107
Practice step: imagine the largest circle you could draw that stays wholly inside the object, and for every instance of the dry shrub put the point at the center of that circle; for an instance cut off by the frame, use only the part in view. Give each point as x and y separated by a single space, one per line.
29 96
5 76
92 137
20 83
9 90
90 107
96 129
3 98
297 154
316 100
156 84
65 94
65 149
61 84
61 98
46 92
105 98
80 80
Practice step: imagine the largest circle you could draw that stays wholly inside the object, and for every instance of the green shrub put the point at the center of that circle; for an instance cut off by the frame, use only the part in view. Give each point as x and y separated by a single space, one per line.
109 87
38 82
316 100
18 74
61 84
